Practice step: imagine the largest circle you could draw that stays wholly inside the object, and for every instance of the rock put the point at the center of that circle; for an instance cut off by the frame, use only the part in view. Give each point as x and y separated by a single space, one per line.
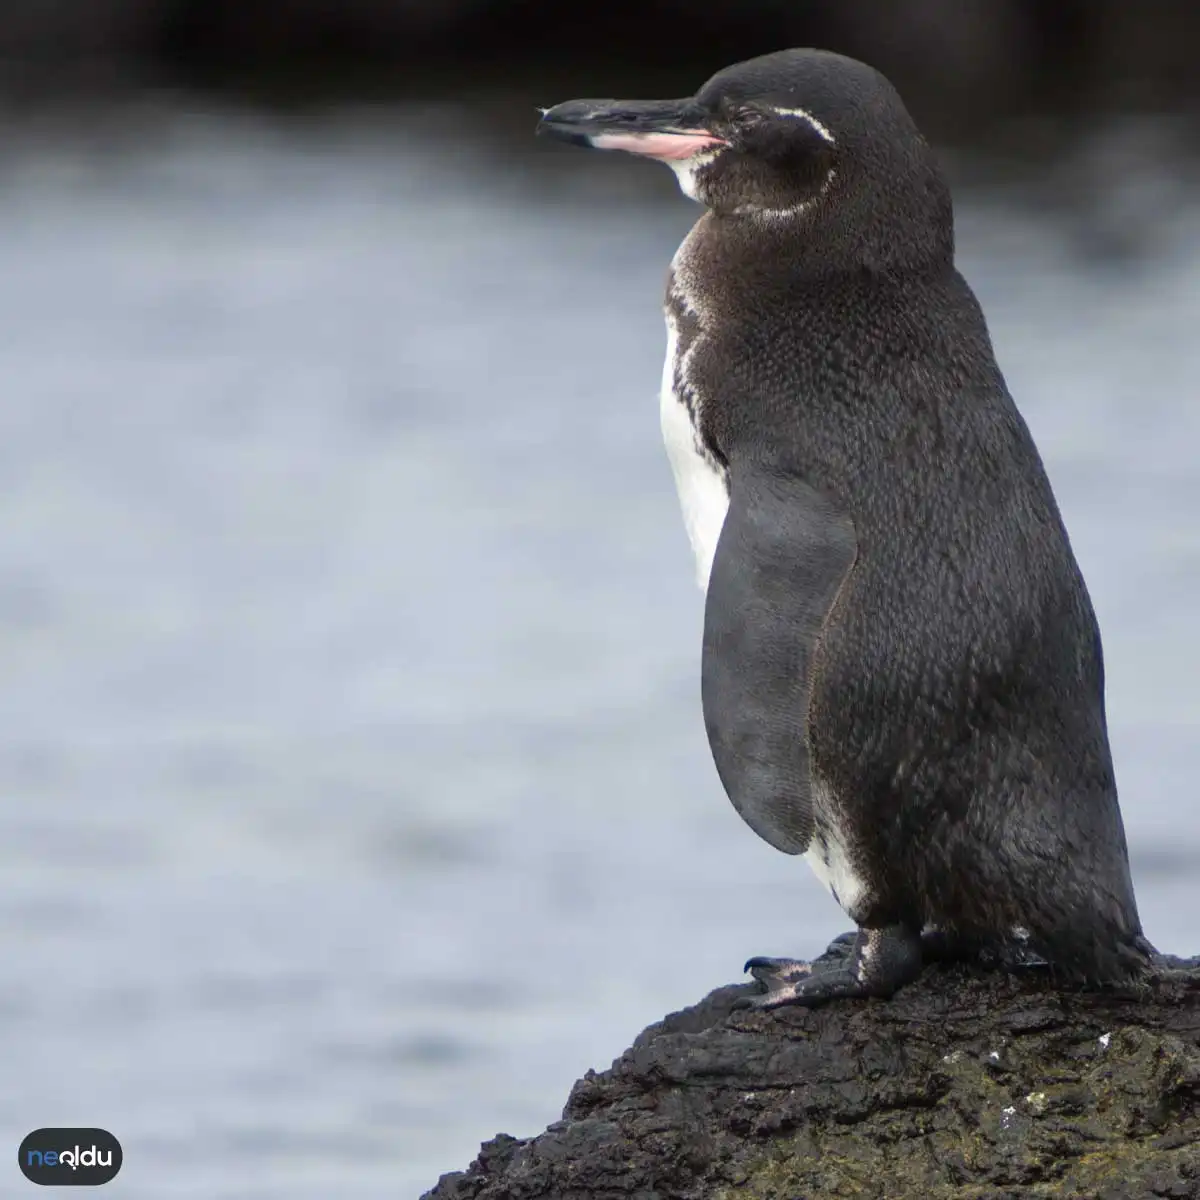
966 1084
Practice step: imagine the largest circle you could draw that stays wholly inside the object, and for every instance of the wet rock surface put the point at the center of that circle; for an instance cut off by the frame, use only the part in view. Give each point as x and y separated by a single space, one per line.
968 1083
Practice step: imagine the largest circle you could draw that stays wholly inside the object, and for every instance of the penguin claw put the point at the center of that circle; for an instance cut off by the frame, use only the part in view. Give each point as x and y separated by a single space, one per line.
834 954
838 984
777 976
874 962
761 962
773 970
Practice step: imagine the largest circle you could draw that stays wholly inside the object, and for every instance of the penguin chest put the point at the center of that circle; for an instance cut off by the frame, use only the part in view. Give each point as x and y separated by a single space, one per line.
699 479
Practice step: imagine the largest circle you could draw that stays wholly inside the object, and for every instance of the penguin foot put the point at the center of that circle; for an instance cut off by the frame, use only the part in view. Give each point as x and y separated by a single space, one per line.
781 979
878 962
938 946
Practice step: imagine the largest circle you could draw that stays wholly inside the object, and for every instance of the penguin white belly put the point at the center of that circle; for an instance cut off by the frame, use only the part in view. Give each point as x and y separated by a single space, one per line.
699 480
828 857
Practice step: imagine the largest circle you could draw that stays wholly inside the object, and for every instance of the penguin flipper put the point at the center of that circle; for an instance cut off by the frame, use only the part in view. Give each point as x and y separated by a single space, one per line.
784 552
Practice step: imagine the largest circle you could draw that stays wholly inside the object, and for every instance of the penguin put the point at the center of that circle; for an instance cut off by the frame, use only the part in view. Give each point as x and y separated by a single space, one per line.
902 676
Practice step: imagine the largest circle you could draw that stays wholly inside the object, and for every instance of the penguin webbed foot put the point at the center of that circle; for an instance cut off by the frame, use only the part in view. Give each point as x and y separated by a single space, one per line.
872 962
1015 954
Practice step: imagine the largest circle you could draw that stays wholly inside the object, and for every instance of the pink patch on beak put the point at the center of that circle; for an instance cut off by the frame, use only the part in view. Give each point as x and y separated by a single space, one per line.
657 145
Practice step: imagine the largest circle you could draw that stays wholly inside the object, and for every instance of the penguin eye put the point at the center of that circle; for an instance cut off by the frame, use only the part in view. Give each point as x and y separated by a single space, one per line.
746 122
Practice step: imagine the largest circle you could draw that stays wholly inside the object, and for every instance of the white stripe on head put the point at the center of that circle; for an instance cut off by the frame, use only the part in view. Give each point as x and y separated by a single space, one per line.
792 210
801 114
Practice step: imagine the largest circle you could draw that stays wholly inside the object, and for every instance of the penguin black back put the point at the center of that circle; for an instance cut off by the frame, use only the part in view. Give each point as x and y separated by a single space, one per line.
902 676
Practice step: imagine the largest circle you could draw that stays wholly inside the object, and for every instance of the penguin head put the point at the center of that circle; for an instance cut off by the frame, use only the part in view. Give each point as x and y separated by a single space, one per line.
799 136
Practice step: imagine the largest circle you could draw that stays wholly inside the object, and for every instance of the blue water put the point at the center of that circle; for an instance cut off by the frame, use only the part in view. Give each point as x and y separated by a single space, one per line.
355 793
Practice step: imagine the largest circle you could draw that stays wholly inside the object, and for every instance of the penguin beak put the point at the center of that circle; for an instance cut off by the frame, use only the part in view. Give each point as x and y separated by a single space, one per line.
663 129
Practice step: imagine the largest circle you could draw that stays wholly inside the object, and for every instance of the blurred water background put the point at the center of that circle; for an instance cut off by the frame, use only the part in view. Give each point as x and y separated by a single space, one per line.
354 796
